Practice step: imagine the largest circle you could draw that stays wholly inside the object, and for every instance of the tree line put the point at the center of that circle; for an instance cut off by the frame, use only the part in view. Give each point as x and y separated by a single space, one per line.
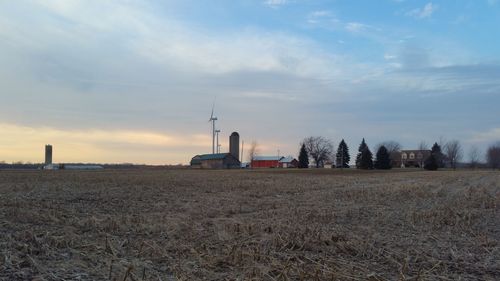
320 150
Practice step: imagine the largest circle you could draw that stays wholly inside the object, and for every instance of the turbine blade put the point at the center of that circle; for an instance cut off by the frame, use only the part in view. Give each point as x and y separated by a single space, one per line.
212 114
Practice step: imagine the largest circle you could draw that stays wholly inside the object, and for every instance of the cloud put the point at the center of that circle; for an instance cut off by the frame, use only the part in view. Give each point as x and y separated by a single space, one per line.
88 68
275 3
356 27
490 136
492 2
326 19
96 145
134 84
421 13
321 13
390 57
323 19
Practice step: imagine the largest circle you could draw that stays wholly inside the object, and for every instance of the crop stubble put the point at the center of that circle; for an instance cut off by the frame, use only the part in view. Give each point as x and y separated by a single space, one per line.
249 225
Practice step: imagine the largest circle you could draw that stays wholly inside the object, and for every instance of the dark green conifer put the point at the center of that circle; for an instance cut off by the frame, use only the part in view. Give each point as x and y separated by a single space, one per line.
303 158
342 158
383 161
362 147
431 163
364 160
438 155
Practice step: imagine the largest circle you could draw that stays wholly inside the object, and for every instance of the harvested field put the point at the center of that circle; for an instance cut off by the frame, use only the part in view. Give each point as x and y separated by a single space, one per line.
249 225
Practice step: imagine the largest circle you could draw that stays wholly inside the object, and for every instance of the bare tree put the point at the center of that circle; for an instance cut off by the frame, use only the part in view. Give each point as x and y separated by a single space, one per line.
253 151
319 149
453 152
442 141
423 145
474 157
391 146
493 156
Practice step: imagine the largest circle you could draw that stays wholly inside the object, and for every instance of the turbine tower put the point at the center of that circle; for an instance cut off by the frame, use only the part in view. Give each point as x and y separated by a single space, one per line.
217 136
213 119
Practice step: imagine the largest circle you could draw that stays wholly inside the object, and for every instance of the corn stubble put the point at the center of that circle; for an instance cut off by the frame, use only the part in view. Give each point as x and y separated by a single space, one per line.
247 225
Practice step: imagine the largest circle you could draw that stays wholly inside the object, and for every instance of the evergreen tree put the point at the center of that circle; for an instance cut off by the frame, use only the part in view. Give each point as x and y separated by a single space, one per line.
438 155
364 160
303 158
361 148
431 163
383 161
342 157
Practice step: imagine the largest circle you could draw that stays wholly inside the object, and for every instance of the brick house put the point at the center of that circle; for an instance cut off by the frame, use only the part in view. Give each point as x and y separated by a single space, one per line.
409 158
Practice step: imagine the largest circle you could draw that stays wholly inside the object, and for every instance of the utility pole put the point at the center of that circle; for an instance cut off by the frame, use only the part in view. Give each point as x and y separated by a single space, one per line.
242 147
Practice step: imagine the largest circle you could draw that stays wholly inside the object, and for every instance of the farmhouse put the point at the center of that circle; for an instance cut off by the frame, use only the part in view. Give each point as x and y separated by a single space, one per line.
288 162
409 158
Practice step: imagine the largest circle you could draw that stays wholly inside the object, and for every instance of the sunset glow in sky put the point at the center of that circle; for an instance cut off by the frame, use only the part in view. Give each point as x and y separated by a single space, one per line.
134 81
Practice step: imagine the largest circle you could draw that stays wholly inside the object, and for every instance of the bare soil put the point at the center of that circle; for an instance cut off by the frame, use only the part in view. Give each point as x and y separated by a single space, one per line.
249 225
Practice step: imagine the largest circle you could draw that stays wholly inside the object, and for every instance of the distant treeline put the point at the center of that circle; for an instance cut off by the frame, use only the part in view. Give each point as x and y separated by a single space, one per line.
36 166
20 166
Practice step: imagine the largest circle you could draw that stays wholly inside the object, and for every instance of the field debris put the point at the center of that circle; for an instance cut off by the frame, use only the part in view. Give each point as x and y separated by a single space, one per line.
246 225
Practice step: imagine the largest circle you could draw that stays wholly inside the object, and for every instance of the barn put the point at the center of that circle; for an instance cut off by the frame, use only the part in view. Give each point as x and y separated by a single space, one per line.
215 161
266 161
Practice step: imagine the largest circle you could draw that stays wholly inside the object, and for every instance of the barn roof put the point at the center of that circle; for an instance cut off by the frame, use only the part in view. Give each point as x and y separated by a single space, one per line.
216 156
287 159
268 158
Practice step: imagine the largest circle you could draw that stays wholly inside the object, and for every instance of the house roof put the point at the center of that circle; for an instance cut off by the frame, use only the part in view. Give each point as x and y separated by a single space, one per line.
416 151
287 159
268 158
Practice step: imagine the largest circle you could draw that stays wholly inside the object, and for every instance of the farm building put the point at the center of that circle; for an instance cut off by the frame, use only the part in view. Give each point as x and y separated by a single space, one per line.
215 161
329 165
266 161
409 158
220 160
288 162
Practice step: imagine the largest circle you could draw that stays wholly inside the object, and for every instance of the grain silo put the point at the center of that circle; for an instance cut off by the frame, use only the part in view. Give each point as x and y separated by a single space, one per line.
48 154
234 145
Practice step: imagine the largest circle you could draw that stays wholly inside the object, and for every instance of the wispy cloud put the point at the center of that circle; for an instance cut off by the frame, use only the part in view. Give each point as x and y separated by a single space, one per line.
94 145
327 20
323 19
487 137
356 27
125 75
421 13
275 3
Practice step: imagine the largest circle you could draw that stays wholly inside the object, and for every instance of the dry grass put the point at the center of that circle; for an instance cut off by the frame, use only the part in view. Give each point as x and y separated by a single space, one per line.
247 225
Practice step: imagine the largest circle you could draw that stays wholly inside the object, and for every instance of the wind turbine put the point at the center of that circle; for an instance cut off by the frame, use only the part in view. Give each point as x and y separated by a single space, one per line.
213 119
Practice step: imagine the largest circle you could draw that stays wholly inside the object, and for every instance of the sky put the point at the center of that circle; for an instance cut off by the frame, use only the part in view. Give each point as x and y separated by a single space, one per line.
134 81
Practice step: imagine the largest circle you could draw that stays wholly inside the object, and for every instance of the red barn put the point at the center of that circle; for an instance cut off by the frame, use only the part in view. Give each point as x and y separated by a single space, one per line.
266 161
